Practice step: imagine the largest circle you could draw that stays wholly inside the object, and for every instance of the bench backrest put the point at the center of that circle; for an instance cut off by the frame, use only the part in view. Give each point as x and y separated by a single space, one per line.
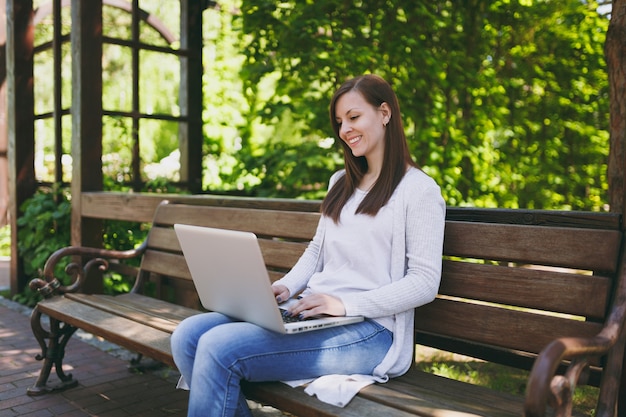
512 279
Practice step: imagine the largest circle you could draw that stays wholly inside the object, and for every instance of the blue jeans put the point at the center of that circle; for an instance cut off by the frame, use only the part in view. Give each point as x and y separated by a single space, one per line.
214 353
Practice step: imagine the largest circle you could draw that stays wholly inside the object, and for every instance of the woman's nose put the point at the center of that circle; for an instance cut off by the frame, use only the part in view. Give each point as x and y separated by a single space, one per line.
345 128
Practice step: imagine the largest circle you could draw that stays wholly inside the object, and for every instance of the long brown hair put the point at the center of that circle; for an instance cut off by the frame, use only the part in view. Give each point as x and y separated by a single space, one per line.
375 91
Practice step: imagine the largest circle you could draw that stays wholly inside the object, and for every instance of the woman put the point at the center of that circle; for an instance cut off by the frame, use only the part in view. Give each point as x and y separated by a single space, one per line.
376 253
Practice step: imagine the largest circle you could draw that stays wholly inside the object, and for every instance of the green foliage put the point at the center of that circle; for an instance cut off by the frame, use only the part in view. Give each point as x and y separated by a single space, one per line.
294 170
505 102
5 241
122 235
43 227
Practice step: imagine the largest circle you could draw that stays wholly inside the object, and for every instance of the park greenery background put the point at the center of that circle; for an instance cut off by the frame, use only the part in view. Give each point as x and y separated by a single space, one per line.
505 102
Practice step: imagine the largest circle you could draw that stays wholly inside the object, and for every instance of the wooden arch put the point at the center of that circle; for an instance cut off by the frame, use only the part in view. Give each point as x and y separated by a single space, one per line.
46 9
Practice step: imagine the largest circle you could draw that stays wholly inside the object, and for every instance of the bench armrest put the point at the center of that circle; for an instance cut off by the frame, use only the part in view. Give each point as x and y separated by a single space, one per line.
546 387
97 258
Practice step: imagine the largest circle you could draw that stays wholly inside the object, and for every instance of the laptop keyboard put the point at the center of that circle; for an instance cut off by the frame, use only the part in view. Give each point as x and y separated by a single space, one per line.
291 319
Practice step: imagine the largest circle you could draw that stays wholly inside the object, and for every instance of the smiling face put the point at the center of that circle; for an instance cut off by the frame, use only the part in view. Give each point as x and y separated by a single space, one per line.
361 125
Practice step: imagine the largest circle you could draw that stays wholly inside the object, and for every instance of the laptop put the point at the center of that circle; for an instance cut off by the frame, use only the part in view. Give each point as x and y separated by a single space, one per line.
229 273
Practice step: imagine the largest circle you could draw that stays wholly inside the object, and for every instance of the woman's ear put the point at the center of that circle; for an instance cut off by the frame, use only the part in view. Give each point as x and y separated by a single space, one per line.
386 111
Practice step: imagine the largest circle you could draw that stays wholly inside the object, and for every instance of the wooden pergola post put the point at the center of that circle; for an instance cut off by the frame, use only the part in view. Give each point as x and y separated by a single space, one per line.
615 51
190 92
4 140
20 120
86 120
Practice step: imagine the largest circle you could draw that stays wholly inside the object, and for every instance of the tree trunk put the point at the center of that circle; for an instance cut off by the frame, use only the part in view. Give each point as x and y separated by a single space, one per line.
615 51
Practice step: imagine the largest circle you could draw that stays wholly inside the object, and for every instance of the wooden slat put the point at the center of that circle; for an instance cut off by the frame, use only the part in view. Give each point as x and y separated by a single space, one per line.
146 310
285 224
505 328
163 238
107 304
164 263
429 395
276 253
281 254
155 307
544 290
140 207
121 331
587 249
120 206
296 401
529 217
434 391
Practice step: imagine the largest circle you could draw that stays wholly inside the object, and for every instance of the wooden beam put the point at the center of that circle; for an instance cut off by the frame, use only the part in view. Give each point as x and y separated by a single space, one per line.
190 133
615 52
20 120
57 41
86 118
4 140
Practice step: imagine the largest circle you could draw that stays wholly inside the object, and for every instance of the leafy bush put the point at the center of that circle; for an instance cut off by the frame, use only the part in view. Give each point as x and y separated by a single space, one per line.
122 235
43 227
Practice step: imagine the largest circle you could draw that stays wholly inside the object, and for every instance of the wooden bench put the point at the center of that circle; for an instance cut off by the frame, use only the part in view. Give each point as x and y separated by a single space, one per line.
529 289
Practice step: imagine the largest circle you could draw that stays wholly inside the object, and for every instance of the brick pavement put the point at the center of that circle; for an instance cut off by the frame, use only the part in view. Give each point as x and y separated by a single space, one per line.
106 387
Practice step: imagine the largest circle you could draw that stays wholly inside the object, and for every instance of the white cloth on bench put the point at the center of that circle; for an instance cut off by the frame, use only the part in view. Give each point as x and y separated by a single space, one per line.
336 390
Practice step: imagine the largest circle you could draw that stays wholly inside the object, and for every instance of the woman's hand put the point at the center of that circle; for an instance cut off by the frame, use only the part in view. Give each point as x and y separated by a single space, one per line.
281 293
314 304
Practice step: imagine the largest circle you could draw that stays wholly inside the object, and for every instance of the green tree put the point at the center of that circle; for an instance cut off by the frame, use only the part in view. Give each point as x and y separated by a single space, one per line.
505 102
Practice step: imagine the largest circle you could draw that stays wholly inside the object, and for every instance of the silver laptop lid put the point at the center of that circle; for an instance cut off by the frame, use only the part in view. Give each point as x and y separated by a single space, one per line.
229 273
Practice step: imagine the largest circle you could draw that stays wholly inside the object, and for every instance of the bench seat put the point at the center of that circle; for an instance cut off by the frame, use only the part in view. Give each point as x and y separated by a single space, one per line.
415 394
139 323
144 325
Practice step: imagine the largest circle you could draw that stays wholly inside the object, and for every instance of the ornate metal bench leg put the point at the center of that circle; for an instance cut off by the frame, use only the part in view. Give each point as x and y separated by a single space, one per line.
52 354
